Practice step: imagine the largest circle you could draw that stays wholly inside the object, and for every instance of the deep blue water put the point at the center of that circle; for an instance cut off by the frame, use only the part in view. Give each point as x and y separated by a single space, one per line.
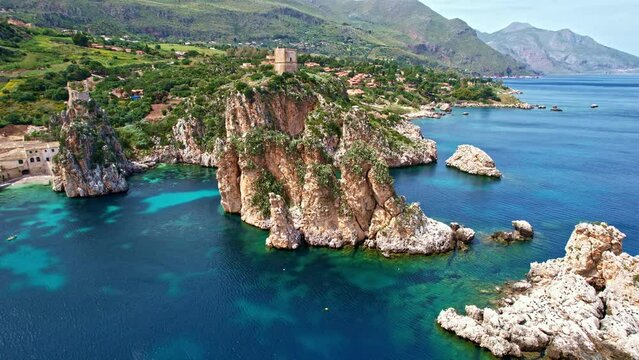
162 273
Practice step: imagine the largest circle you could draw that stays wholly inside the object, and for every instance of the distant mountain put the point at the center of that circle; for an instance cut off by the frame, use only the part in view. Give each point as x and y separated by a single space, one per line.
558 52
401 29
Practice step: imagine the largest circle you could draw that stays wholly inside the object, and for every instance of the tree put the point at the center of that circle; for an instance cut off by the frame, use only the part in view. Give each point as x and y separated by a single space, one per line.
80 39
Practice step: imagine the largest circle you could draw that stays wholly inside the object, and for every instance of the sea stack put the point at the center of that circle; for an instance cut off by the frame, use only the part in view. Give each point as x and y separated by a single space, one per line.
473 160
582 306
284 170
91 161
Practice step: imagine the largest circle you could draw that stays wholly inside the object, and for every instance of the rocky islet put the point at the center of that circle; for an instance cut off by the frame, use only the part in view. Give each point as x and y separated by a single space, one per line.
582 306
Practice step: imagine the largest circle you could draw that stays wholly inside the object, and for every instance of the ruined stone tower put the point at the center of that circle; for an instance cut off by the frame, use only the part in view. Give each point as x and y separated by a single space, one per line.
285 60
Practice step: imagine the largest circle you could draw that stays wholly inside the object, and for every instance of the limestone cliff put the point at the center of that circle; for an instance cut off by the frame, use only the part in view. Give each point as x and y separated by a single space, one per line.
186 146
91 161
582 306
298 165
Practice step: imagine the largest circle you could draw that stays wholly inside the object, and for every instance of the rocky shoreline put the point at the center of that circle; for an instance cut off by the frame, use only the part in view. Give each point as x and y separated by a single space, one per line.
582 306
438 111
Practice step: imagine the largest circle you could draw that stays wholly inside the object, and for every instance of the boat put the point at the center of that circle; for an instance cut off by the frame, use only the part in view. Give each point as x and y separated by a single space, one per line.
594 106
542 107
12 237
555 108
466 114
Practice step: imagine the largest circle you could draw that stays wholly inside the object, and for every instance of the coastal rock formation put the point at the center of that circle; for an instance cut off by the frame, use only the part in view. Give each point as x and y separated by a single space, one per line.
582 306
400 143
446 107
91 161
522 230
474 161
463 235
413 233
283 234
187 147
308 169
495 105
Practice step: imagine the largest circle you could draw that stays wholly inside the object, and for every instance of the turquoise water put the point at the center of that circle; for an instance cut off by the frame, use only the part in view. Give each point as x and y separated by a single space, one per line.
162 273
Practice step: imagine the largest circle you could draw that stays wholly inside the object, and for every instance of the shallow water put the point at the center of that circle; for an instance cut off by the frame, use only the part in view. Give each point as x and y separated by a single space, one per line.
162 273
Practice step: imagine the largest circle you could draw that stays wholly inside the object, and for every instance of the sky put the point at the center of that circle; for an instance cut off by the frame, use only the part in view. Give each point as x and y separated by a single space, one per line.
613 23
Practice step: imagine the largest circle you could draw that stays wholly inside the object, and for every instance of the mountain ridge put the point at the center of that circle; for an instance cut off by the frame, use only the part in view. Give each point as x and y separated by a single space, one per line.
558 52
400 29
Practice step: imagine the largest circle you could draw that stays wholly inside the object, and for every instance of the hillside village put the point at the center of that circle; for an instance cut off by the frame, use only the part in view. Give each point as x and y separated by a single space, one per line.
20 157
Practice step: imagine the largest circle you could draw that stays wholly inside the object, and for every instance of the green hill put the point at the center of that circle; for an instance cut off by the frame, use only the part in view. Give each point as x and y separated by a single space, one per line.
401 29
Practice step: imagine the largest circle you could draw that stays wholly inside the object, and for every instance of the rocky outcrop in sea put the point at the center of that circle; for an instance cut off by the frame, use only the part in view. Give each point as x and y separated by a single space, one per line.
91 161
582 306
522 230
473 160
295 164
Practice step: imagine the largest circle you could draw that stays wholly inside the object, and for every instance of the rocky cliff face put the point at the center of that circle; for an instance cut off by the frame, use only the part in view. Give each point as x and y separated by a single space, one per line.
582 306
91 161
187 148
303 168
399 143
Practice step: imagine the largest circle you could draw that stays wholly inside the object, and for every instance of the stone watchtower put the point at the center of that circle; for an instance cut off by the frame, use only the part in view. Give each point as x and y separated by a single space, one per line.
285 61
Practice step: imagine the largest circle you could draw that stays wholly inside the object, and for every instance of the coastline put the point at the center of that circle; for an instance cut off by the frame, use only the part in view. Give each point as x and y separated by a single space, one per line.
44 180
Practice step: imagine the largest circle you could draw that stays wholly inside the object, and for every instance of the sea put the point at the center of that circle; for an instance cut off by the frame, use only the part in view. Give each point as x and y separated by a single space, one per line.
162 273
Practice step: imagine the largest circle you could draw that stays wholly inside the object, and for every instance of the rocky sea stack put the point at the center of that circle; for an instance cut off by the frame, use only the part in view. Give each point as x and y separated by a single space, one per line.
473 160
91 161
300 161
582 306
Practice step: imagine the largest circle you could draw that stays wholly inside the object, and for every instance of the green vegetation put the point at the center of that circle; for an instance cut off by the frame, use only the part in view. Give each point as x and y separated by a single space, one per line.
360 153
636 279
81 39
131 87
265 184
411 32
326 178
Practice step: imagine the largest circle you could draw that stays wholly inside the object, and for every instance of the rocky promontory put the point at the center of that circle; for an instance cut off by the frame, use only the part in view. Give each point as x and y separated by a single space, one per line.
473 160
91 161
582 306
297 164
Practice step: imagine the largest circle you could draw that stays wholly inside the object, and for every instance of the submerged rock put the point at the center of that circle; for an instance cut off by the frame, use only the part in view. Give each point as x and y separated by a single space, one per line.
91 161
582 306
474 161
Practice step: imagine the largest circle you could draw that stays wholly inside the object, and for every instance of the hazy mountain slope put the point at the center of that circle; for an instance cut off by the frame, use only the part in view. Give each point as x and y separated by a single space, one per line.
405 29
558 52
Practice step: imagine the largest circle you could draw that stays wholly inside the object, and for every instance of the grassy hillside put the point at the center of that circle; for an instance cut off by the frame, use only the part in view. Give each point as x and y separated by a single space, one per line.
400 29
41 61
